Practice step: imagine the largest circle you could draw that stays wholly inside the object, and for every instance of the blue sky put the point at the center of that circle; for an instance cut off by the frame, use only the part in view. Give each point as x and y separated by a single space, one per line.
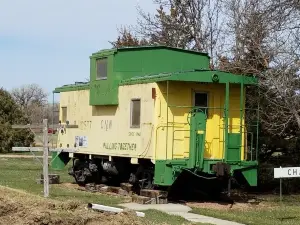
49 42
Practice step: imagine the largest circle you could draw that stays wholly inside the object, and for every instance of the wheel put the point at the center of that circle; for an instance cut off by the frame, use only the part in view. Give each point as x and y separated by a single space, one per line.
146 181
78 172
85 171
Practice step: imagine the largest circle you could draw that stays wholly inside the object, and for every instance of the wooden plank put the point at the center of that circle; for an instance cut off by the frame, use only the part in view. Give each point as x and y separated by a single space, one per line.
126 186
16 126
113 189
27 149
37 126
53 179
71 126
70 150
153 193
40 149
141 199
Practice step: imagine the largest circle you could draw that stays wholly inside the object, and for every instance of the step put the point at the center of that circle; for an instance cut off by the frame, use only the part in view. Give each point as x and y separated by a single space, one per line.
156 196
126 186
154 193
141 199
53 179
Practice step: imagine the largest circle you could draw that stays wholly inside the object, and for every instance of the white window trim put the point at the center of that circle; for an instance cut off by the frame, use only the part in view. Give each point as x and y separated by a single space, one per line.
131 111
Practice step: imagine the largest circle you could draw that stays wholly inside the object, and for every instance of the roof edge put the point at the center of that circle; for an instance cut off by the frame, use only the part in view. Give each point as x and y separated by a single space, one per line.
73 87
129 48
207 76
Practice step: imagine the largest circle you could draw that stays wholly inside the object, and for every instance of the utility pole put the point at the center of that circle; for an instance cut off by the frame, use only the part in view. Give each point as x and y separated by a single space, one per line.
45 158
45 149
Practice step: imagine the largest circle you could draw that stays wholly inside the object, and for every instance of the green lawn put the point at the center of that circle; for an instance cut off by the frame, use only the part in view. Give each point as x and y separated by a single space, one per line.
270 213
22 174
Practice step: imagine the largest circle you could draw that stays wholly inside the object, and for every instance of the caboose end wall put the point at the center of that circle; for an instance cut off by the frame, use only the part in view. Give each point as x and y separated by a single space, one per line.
174 106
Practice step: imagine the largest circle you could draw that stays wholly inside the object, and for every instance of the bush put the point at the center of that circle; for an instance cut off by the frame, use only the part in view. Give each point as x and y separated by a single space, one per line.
10 114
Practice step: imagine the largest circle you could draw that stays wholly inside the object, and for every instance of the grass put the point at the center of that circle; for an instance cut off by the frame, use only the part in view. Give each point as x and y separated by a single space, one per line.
286 213
22 174
26 153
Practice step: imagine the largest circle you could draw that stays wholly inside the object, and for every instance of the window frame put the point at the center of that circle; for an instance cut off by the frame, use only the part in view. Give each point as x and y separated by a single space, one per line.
62 114
131 112
101 78
207 99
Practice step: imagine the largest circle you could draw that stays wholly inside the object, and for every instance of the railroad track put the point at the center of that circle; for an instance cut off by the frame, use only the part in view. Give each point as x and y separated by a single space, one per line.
146 196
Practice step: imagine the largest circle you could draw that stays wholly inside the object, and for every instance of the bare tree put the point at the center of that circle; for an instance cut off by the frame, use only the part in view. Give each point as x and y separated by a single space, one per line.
52 112
188 24
32 100
265 43
250 37
127 39
282 94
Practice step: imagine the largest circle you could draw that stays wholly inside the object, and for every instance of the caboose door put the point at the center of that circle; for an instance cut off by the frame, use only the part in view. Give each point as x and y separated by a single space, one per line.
198 130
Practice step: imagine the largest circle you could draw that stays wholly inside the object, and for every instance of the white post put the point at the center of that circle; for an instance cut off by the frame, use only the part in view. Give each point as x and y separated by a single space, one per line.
45 158
280 184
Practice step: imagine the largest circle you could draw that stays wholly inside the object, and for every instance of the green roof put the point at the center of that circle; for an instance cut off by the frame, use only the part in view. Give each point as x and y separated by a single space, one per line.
73 87
193 76
210 76
147 47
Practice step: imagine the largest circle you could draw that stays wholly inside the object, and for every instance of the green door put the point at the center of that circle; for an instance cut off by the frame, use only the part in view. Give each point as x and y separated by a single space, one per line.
197 138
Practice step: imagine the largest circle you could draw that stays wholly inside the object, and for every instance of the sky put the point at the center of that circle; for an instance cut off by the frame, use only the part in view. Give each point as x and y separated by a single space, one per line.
49 42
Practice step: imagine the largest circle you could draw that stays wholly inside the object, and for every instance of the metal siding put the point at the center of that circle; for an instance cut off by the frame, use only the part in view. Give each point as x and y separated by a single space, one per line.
180 94
152 142
138 62
111 124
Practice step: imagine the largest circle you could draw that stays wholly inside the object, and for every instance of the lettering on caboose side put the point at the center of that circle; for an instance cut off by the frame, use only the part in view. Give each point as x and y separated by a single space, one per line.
120 146
85 125
106 125
134 133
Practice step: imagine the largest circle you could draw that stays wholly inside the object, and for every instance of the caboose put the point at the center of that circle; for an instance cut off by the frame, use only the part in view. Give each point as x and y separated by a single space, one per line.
158 117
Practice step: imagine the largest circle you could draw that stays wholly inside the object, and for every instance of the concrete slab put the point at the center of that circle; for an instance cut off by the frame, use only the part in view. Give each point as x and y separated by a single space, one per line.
179 210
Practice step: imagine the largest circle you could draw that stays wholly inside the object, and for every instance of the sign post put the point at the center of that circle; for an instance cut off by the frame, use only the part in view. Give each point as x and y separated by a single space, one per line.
45 148
286 172
45 159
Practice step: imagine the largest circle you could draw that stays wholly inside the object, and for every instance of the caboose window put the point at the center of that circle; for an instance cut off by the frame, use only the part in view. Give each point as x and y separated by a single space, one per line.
201 101
101 69
63 114
135 114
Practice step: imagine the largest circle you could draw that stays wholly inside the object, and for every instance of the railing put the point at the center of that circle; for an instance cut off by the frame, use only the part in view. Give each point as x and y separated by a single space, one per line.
250 132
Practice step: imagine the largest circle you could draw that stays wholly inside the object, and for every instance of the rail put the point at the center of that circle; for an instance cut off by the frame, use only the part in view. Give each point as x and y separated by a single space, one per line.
247 130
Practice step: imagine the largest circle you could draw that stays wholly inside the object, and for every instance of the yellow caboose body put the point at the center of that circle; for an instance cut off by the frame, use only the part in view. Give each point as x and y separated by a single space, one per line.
152 113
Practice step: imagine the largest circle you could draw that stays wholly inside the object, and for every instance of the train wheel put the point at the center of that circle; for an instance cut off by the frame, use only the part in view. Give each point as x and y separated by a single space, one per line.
85 171
78 172
146 181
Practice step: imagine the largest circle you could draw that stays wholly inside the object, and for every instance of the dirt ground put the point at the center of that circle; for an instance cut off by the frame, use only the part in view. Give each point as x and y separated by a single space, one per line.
222 206
208 205
20 208
245 204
